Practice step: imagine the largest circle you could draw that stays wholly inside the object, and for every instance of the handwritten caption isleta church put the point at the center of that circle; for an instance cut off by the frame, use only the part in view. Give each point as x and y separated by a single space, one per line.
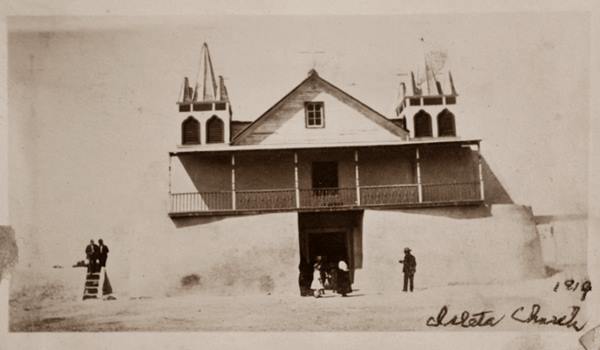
521 314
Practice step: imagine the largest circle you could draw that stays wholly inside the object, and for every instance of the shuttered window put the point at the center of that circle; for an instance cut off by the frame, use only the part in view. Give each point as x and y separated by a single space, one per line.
190 131
422 123
446 126
215 132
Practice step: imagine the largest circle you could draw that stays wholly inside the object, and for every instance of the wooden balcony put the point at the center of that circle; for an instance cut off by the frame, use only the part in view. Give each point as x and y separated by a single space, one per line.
290 199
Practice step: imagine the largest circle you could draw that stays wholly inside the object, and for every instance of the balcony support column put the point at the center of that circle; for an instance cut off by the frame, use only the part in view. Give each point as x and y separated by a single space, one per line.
419 185
233 181
480 171
296 188
356 177
171 208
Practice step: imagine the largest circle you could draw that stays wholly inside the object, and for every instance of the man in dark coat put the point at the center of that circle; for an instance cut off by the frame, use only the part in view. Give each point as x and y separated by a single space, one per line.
91 253
305 277
409 269
102 253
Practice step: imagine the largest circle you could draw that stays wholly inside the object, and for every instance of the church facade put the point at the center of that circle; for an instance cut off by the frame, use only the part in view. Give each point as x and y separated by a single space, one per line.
352 183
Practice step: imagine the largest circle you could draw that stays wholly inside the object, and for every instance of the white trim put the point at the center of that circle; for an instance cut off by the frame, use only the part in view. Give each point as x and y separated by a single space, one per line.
228 148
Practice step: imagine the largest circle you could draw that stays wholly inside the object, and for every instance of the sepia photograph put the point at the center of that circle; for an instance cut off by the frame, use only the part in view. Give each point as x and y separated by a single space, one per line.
279 173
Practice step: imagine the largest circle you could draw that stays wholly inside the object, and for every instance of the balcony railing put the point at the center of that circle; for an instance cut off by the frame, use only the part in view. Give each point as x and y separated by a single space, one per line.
327 197
389 194
265 199
454 192
401 195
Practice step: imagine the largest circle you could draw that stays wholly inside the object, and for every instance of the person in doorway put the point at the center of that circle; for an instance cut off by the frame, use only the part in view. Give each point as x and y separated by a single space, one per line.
317 282
343 285
305 277
102 253
91 253
409 269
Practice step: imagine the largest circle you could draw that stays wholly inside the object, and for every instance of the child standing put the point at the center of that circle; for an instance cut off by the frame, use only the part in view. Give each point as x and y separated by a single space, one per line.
317 283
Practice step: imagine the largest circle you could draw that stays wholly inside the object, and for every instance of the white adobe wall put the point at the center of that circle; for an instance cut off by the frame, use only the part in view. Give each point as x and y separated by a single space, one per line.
230 255
501 247
565 244
259 253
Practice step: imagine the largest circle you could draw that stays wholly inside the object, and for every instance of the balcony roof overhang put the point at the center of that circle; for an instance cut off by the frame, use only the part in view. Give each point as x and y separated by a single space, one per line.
224 148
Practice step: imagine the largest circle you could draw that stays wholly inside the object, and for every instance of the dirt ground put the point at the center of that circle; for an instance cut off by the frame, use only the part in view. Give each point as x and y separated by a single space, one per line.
362 311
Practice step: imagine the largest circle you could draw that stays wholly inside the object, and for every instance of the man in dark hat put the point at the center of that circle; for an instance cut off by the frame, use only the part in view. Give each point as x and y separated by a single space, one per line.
409 269
91 253
102 253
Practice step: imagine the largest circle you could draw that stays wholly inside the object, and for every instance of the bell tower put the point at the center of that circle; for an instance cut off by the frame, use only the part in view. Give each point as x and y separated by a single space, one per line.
427 109
204 116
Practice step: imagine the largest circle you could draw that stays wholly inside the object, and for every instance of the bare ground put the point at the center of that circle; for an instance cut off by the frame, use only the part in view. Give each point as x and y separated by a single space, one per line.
362 311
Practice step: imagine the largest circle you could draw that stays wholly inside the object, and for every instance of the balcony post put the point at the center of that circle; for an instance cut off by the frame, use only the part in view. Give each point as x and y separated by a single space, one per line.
419 185
356 177
171 205
297 190
480 170
233 181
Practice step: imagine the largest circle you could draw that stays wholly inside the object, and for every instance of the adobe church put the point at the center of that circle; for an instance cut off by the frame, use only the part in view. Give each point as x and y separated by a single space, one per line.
321 173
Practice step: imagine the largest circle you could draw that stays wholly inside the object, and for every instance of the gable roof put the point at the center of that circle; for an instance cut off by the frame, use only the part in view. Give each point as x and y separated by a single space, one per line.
377 117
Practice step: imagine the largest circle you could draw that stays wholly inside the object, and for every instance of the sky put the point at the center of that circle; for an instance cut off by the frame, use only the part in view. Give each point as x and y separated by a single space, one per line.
92 99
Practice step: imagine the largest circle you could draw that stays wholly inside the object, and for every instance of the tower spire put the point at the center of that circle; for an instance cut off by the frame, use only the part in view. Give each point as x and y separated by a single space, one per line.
206 83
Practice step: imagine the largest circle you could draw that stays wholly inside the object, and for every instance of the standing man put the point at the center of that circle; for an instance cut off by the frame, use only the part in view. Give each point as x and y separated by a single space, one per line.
102 253
409 269
91 253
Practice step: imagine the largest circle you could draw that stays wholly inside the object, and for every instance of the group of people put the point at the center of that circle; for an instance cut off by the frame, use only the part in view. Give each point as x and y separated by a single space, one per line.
320 275
96 255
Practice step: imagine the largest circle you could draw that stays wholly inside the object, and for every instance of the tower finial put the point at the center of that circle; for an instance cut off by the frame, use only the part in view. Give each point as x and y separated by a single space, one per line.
223 95
452 83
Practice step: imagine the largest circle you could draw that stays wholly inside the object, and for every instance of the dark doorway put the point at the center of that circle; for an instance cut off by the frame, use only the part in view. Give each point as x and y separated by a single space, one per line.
331 246
335 236
324 174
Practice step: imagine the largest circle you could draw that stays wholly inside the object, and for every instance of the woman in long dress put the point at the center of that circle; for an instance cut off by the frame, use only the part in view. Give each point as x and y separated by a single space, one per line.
343 279
317 283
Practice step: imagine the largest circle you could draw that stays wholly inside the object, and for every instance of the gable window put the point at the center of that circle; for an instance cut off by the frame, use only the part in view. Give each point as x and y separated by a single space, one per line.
315 117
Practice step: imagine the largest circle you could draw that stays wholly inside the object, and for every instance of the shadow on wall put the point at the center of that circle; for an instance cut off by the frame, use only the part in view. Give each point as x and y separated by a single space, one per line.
462 212
495 193
188 221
